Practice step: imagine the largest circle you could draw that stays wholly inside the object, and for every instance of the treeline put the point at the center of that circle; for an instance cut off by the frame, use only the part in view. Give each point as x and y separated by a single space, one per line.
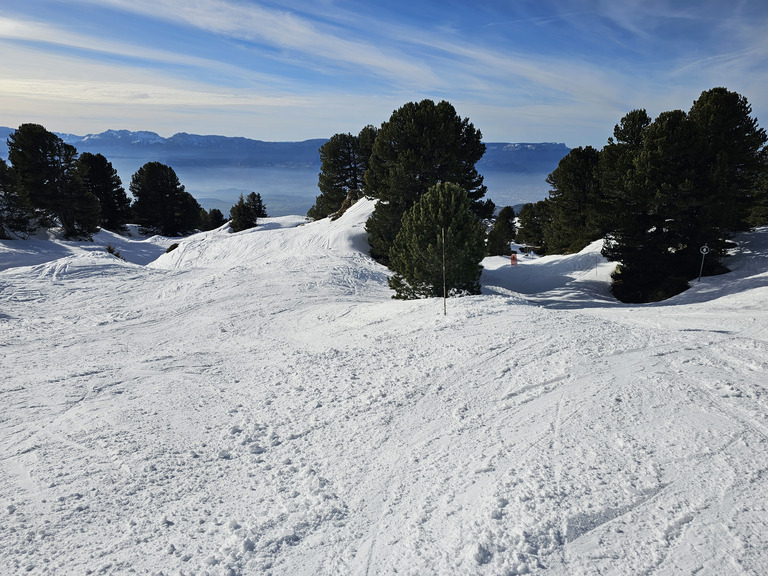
48 184
658 192
429 224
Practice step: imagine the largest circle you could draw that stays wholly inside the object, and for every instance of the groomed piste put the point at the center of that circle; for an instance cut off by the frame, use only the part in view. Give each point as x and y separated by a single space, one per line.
257 403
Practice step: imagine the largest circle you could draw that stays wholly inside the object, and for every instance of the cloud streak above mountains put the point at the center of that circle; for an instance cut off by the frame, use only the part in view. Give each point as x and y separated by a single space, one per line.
523 71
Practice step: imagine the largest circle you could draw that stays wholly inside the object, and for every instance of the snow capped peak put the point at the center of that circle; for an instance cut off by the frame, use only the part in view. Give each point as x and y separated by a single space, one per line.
124 136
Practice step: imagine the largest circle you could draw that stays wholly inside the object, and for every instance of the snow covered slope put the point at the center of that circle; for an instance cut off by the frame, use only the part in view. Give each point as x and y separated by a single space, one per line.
256 403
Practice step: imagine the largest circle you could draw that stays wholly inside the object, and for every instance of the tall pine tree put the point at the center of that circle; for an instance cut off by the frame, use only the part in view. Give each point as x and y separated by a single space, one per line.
100 179
44 168
676 184
344 160
729 163
15 211
440 239
421 145
574 202
160 202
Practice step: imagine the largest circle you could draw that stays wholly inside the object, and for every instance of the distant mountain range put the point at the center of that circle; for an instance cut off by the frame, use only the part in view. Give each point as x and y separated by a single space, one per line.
194 150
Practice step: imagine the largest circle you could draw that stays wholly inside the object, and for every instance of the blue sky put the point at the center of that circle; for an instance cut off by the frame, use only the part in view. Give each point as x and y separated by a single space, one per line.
521 71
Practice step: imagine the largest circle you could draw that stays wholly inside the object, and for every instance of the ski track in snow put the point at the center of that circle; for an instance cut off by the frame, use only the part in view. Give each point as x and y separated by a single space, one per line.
256 403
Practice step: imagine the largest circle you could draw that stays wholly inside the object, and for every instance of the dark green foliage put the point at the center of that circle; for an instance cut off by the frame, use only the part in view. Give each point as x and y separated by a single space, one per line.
635 286
344 161
81 218
758 212
366 139
675 184
617 170
15 211
533 219
622 188
246 212
729 163
574 203
100 179
161 204
421 145
502 233
35 155
652 209
416 255
211 219
45 174
257 205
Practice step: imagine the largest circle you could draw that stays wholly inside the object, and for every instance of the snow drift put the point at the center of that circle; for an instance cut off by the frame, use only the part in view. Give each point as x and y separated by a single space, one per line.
256 403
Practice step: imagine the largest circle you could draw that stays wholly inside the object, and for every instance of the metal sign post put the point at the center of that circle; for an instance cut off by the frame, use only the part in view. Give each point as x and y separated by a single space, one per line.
704 251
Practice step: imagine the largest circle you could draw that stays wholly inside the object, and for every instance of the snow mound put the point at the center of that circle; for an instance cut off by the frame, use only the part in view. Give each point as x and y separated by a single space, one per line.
257 403
574 280
285 238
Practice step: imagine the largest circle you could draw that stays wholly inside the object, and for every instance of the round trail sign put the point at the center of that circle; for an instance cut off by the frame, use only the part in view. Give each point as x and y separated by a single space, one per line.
704 249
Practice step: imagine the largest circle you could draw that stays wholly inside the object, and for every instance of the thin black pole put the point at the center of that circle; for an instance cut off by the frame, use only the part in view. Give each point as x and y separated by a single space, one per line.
445 296
704 251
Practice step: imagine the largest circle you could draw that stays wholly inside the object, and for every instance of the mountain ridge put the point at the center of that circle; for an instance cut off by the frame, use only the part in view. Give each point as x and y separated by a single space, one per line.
183 148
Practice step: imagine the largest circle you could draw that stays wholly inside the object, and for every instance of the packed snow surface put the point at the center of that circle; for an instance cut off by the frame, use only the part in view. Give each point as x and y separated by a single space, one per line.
256 403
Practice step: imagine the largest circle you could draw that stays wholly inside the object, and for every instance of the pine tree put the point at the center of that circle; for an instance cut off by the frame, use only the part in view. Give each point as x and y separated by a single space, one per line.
99 178
502 234
160 202
421 145
33 153
534 217
256 205
440 240
44 167
675 184
729 164
627 216
212 219
246 213
15 212
344 160
366 139
573 202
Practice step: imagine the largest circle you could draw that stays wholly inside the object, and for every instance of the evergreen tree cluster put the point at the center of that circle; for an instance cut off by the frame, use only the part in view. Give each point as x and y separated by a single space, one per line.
160 202
420 166
659 191
502 234
246 212
344 161
421 145
47 184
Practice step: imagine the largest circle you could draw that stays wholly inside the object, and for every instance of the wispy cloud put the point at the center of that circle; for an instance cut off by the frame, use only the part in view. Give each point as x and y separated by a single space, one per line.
44 39
133 93
305 42
542 69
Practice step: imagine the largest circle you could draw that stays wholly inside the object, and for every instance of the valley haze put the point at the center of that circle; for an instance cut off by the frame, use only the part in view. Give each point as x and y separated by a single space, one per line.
217 169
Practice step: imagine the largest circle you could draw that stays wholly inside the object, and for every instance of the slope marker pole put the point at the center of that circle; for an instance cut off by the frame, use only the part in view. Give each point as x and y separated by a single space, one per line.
444 291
